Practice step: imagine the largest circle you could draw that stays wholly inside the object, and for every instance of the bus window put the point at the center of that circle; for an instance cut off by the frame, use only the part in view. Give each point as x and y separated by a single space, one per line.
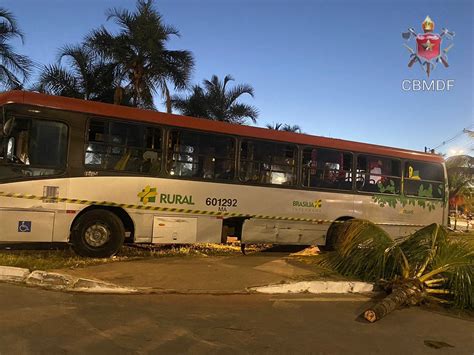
206 156
121 146
268 162
36 147
376 174
423 179
327 168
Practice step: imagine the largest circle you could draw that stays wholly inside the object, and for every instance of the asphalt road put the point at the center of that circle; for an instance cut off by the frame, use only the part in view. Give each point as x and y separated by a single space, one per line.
37 321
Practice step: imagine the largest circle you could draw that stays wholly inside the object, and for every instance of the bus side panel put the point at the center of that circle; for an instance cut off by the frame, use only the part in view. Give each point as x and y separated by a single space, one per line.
26 226
283 232
45 216
398 219
205 200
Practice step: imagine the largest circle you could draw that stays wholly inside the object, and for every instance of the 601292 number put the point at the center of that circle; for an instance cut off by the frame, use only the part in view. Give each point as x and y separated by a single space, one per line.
221 202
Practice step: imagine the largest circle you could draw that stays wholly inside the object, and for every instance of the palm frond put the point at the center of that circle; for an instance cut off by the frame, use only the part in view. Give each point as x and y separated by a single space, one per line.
9 25
421 246
178 66
276 126
56 80
294 128
237 91
239 112
455 260
102 41
8 79
227 79
194 105
17 65
364 250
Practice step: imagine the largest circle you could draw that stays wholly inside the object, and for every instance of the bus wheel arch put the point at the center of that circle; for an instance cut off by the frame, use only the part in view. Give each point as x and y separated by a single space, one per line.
333 231
234 225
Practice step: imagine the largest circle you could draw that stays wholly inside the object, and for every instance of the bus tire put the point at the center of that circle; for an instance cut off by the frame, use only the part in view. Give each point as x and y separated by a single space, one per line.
97 234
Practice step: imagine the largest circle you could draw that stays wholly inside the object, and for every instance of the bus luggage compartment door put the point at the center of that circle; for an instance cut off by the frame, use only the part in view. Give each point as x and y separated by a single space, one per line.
26 226
174 230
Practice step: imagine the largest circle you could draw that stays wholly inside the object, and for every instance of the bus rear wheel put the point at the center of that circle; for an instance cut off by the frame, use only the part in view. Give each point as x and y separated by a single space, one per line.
97 234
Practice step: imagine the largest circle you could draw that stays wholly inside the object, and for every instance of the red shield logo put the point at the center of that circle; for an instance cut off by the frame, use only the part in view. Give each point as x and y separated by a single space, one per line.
428 45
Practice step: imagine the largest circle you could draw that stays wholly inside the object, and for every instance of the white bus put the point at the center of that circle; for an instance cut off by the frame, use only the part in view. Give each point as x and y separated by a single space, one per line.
97 175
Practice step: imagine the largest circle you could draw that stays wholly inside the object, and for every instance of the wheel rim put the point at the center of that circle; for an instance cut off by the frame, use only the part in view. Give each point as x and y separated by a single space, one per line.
97 235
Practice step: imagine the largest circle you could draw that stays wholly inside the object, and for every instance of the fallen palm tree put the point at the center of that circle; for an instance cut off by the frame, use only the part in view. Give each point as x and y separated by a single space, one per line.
425 266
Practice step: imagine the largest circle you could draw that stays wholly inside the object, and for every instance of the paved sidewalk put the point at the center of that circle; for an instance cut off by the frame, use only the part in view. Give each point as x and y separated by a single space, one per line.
201 274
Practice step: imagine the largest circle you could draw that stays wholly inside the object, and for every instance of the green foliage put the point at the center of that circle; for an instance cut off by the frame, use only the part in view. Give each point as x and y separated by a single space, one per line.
144 66
460 175
217 102
388 188
444 266
394 200
15 68
363 252
457 261
422 192
66 258
85 76
284 127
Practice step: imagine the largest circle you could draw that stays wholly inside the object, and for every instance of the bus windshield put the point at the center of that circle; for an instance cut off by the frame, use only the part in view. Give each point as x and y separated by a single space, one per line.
33 147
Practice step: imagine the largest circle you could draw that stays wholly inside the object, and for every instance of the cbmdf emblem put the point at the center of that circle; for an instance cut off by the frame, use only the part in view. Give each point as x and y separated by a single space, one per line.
429 52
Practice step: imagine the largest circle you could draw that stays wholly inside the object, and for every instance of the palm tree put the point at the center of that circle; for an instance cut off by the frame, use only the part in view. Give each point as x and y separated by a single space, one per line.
86 76
194 105
425 266
14 68
217 102
144 65
284 127
460 170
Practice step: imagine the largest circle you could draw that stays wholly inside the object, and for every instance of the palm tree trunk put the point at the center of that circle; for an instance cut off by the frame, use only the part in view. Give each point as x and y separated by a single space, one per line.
408 291
168 98
456 217
118 95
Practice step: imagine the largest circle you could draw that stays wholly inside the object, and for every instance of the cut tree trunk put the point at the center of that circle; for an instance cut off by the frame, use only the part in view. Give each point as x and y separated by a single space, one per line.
408 291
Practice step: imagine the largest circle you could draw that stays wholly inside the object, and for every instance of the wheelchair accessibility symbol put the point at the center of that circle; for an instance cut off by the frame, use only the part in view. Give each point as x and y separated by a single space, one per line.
24 226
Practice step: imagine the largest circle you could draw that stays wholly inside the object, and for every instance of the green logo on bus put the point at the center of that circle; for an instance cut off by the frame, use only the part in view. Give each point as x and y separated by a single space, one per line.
176 199
148 194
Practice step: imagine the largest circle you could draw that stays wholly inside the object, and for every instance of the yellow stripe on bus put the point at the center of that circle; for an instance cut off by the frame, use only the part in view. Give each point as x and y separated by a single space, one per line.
180 210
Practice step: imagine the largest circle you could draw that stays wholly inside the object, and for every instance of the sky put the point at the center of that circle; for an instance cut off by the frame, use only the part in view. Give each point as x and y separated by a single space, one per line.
335 68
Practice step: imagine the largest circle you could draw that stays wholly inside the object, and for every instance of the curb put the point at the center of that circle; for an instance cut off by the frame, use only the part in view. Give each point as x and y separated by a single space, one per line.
68 283
13 274
317 287
60 282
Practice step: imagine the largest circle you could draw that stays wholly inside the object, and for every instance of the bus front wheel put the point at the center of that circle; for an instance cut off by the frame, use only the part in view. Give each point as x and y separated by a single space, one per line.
97 234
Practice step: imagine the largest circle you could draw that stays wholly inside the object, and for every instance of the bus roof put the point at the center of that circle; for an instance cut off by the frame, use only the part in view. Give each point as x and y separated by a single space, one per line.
135 114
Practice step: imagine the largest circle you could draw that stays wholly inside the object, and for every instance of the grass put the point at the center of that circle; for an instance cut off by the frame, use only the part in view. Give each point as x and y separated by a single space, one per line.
66 258
467 236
